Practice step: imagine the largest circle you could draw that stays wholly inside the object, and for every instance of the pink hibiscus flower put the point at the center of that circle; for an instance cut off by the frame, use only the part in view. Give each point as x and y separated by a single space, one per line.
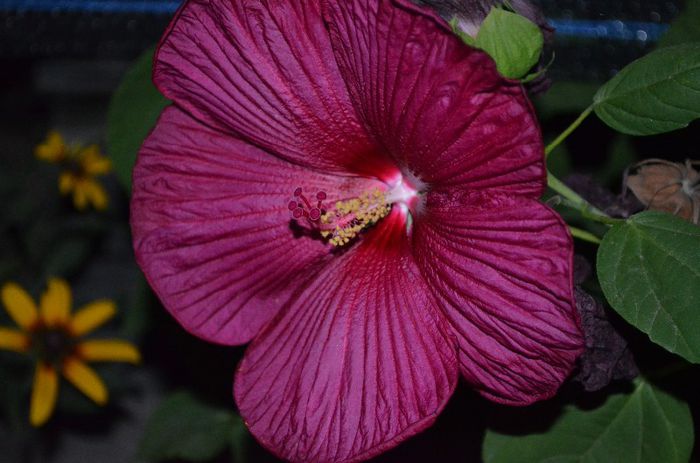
352 189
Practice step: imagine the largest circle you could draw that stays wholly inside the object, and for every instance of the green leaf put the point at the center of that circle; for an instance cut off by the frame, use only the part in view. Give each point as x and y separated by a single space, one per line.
649 269
239 440
657 93
182 427
684 28
514 42
644 426
133 112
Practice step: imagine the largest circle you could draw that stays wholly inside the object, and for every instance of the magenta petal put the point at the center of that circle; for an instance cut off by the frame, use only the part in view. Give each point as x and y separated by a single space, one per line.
500 268
211 227
265 70
438 107
360 360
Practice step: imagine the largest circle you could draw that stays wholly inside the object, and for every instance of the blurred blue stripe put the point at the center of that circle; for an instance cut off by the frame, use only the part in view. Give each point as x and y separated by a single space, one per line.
611 30
94 6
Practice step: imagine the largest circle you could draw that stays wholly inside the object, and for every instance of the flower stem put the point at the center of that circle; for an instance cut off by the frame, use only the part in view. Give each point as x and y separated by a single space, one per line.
584 235
557 141
573 200
569 197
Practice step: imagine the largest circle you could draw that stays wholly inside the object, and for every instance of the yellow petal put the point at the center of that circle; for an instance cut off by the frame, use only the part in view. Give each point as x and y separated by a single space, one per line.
88 153
99 166
85 379
56 302
14 340
107 350
19 305
53 149
80 198
93 162
95 194
92 315
66 182
44 394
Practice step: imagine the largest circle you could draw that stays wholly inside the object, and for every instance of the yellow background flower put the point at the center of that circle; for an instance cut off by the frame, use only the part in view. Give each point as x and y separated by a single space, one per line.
53 334
81 166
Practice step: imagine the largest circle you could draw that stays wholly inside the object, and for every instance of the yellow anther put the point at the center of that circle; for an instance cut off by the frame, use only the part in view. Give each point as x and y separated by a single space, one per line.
352 216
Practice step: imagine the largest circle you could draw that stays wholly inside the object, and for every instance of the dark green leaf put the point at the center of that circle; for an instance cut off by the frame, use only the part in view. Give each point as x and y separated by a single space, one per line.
514 42
239 440
657 93
133 112
684 28
182 427
649 269
645 426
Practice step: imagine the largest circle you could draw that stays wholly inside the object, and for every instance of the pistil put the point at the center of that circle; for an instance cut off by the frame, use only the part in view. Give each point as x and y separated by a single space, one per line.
344 221
350 217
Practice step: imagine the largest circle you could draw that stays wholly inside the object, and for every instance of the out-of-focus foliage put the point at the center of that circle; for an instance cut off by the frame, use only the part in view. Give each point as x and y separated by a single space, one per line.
621 156
565 97
40 233
686 27
183 427
133 112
